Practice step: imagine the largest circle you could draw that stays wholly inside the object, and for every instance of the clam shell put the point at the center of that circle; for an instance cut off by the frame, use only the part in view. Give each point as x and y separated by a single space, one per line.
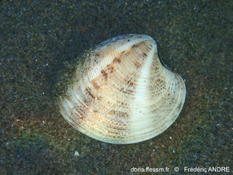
122 93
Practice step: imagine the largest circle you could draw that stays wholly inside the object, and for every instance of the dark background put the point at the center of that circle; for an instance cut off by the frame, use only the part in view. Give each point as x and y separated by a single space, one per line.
40 42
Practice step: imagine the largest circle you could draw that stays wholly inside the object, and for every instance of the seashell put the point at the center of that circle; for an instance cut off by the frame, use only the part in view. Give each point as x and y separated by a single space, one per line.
122 94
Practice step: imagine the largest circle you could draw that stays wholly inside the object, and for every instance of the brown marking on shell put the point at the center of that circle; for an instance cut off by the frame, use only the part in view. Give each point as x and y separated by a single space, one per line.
106 72
119 113
130 82
105 75
88 90
116 60
124 103
137 64
126 91
144 54
142 48
80 111
113 133
125 53
139 45
135 45
130 79
110 68
117 127
160 82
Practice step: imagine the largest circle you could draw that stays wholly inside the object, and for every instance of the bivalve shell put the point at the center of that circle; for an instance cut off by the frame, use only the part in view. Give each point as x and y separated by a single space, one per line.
122 93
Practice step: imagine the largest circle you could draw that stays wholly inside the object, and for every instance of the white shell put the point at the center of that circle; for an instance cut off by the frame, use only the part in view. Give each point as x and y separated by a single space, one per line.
123 94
